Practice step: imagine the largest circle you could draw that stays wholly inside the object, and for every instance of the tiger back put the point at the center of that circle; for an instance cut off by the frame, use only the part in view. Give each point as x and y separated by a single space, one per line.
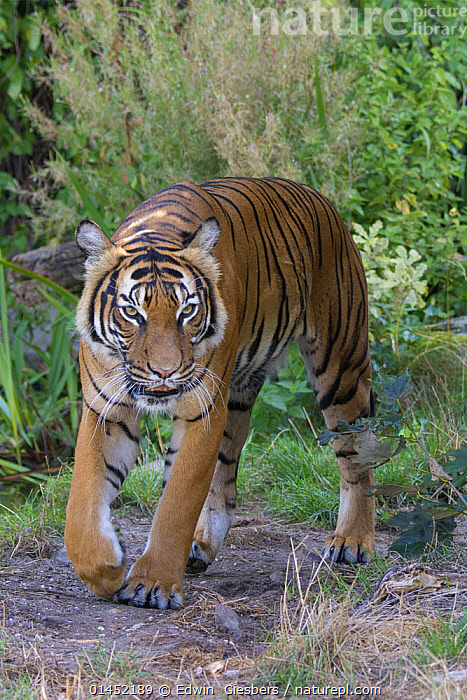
186 310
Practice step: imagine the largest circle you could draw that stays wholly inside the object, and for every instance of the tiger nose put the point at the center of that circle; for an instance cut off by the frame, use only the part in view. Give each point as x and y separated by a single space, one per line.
163 373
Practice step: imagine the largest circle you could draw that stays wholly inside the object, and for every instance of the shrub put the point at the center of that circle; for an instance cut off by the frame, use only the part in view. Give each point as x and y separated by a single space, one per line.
411 166
394 279
144 98
274 104
126 122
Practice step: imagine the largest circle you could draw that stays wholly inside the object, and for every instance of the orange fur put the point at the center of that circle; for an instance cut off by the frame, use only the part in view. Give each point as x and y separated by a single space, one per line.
187 310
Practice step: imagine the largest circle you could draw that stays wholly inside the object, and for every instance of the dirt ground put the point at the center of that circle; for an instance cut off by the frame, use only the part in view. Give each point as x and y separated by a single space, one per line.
48 610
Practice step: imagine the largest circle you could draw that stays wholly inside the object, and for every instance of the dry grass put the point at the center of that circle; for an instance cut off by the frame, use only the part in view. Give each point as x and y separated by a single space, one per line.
407 646
27 671
151 100
258 99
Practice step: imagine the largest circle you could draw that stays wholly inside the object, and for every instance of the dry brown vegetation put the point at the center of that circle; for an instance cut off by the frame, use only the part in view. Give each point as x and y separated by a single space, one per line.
301 622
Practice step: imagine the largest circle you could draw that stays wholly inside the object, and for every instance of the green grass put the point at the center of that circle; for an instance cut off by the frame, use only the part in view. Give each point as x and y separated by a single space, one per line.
33 522
297 478
443 639
290 475
142 487
34 525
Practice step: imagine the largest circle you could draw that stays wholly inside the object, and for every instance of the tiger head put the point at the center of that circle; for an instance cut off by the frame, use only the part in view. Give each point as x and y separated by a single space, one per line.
152 310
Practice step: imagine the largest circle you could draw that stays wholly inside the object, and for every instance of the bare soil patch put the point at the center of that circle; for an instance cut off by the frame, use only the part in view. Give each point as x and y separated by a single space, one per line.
44 600
70 638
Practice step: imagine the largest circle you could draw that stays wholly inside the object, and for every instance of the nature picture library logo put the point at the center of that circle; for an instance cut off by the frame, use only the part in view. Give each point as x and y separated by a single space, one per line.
320 18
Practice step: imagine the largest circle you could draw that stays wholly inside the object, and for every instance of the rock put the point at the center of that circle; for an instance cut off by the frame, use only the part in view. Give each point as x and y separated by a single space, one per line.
63 264
278 575
227 620
61 556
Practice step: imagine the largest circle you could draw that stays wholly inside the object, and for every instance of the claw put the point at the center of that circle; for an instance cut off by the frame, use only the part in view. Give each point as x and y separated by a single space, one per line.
198 560
144 595
345 551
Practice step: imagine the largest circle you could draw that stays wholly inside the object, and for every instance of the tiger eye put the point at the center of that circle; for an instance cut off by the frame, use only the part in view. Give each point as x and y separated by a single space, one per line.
186 311
131 311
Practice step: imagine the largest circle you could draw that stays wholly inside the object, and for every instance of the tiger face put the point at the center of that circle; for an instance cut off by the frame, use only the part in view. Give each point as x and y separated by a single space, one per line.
158 313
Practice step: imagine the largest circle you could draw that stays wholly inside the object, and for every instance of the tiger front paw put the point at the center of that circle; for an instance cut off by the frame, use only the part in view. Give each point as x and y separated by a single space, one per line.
147 588
347 550
99 563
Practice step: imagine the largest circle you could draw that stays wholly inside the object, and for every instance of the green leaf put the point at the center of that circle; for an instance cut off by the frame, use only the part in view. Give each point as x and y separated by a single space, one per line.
15 83
443 512
320 102
33 34
412 543
325 436
457 467
394 389
427 141
424 532
295 386
391 490
408 520
461 626
275 400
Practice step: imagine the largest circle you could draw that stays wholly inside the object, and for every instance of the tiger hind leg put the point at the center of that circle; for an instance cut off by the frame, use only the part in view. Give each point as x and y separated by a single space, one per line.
343 392
218 512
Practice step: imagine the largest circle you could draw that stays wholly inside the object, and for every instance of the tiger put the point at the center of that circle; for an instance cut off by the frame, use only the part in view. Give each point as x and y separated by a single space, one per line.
186 310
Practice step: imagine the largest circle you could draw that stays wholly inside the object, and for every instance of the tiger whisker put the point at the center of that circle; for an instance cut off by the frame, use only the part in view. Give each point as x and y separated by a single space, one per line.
114 381
216 381
122 392
118 396
205 399
104 375
190 386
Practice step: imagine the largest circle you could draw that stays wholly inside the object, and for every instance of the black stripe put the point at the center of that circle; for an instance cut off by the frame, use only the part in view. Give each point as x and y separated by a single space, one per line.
239 406
127 432
219 196
111 481
267 200
99 391
329 346
341 400
253 349
93 410
118 473
225 460
141 272
328 397
204 413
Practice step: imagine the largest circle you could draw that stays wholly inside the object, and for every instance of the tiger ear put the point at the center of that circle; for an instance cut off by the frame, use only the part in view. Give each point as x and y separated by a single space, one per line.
206 236
91 239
